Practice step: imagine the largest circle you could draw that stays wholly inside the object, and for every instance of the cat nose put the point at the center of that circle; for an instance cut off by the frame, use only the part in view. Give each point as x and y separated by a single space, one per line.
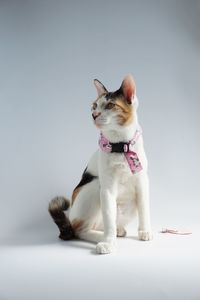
95 115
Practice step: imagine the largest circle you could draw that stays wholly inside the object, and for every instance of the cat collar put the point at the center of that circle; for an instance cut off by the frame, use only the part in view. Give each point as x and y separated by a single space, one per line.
126 148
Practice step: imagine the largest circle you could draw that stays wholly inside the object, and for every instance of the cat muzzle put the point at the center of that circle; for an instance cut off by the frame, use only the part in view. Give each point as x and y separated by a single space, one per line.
95 115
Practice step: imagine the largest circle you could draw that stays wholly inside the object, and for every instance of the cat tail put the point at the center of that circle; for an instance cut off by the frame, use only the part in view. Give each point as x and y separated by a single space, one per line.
57 206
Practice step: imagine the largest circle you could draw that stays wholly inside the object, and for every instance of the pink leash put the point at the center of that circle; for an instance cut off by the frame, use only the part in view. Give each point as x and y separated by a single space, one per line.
172 231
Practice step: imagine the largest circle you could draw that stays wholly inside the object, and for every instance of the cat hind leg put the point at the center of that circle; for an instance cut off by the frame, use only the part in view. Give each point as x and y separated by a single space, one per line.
121 232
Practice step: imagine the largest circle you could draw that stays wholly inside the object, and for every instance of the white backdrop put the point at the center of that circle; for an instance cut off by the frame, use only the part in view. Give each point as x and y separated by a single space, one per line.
50 52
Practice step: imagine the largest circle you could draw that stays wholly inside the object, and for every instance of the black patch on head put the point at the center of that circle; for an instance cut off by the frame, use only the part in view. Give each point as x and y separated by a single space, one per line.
86 178
113 95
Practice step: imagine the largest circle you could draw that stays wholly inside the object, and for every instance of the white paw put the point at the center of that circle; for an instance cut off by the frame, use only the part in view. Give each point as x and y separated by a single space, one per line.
105 248
145 235
121 232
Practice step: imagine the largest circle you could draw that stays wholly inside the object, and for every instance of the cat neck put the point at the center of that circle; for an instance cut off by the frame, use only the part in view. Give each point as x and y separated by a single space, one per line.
121 133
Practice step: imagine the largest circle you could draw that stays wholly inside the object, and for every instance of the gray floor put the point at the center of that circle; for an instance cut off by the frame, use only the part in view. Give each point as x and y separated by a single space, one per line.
43 267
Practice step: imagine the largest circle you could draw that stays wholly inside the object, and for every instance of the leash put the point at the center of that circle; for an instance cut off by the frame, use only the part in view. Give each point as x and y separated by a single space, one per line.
173 231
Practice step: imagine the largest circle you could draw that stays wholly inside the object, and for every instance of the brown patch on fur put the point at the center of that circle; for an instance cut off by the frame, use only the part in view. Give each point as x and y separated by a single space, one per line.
87 177
125 112
77 225
75 193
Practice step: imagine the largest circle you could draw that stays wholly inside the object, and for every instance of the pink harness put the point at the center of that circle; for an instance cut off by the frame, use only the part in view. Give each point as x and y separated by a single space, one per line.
126 148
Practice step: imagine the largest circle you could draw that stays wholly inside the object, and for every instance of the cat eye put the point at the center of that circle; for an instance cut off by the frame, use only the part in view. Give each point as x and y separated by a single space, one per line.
110 105
94 106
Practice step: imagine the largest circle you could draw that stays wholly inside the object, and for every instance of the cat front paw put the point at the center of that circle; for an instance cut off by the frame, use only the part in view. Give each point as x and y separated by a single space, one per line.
105 248
145 235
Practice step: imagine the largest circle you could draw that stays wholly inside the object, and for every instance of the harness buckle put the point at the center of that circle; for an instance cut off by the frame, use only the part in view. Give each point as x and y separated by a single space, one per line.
126 148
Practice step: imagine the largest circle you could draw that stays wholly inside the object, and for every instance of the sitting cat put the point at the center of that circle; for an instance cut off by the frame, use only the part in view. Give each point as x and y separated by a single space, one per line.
115 184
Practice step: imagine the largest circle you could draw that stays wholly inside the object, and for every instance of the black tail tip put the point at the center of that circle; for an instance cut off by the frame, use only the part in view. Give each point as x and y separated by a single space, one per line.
67 234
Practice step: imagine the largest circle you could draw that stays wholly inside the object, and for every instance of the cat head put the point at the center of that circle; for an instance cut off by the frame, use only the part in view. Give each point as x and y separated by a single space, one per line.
114 109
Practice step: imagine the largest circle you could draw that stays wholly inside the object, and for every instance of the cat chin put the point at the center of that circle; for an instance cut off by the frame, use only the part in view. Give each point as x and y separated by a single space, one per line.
101 124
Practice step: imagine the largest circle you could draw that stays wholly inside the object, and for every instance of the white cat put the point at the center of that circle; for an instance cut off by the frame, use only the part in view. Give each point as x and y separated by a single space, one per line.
115 184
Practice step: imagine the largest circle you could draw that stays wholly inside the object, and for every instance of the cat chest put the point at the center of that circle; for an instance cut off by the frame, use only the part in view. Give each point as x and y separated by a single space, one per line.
116 169
115 163
126 190
126 200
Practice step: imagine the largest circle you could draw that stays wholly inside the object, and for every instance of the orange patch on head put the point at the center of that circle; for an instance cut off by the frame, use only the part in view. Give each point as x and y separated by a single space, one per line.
125 116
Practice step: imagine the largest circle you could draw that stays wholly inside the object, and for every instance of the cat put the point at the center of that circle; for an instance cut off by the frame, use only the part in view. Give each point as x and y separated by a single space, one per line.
115 185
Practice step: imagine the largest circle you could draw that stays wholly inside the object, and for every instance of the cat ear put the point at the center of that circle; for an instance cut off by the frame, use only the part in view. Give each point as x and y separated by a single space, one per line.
100 87
128 88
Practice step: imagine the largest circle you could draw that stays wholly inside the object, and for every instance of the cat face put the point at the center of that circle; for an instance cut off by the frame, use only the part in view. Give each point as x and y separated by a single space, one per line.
113 109
110 110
